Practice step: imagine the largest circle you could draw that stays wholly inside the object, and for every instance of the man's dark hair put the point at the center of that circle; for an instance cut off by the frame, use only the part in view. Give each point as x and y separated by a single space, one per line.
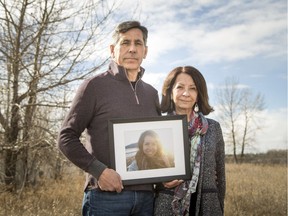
126 26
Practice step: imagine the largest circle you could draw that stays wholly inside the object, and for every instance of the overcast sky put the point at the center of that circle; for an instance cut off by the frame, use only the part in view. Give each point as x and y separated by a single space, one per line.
246 39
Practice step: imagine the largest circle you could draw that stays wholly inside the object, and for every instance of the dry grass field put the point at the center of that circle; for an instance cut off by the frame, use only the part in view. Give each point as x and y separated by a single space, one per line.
256 190
252 189
52 198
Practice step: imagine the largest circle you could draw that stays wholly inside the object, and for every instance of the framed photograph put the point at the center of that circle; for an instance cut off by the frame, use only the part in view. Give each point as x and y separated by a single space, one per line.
150 150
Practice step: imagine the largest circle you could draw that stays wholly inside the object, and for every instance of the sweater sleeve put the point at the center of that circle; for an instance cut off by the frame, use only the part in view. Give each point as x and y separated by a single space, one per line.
76 121
220 165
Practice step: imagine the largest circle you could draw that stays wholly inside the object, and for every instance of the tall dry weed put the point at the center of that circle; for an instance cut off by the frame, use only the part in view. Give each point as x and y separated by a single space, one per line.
51 198
252 190
256 190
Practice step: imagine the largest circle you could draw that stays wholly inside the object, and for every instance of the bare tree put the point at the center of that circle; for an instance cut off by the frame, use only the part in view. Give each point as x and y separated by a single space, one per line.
238 109
44 46
229 99
251 106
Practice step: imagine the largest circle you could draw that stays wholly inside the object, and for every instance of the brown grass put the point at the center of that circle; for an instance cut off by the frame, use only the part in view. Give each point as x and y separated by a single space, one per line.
251 190
256 190
52 198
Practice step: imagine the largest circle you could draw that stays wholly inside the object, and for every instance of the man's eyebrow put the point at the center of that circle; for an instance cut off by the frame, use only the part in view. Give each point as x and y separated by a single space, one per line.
139 40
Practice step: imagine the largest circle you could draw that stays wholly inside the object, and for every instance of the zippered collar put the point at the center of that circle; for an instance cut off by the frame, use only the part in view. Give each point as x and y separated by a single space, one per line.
119 72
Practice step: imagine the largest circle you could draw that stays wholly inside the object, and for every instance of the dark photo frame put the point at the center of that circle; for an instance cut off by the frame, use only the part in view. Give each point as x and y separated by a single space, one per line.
143 166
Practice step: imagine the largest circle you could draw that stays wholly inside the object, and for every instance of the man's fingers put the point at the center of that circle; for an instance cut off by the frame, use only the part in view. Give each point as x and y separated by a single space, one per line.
120 187
110 181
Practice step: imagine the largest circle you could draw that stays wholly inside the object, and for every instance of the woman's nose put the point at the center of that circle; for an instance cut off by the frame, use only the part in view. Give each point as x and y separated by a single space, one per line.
186 92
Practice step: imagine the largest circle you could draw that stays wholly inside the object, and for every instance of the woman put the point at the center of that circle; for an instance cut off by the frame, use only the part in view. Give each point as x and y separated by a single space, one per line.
150 154
185 92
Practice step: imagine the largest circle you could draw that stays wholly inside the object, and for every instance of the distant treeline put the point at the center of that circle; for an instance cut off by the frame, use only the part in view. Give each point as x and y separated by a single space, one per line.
271 157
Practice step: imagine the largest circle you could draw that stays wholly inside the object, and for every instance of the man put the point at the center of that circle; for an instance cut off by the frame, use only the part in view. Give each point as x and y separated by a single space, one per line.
117 93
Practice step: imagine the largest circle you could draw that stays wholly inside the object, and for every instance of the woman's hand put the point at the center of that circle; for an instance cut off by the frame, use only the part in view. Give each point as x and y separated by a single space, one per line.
173 183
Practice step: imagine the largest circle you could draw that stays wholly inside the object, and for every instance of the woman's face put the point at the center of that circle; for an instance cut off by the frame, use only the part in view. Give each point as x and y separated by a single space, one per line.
150 146
184 93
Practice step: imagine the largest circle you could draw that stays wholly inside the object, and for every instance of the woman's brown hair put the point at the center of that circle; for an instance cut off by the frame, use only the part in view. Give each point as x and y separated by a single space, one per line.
159 160
167 104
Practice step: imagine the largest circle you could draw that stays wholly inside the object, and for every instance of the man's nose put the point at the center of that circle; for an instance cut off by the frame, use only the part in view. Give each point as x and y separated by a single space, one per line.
132 48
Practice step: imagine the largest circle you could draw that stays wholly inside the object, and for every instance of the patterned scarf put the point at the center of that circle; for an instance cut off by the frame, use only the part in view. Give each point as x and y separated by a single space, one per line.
197 127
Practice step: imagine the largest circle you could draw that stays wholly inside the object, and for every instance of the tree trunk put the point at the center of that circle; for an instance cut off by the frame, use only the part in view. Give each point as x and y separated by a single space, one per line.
11 153
10 169
234 142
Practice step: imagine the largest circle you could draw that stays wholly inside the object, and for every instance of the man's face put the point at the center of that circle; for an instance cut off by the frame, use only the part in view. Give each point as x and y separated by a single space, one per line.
130 50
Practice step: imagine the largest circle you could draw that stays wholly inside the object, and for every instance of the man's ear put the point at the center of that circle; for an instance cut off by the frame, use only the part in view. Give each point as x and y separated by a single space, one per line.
145 53
112 51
